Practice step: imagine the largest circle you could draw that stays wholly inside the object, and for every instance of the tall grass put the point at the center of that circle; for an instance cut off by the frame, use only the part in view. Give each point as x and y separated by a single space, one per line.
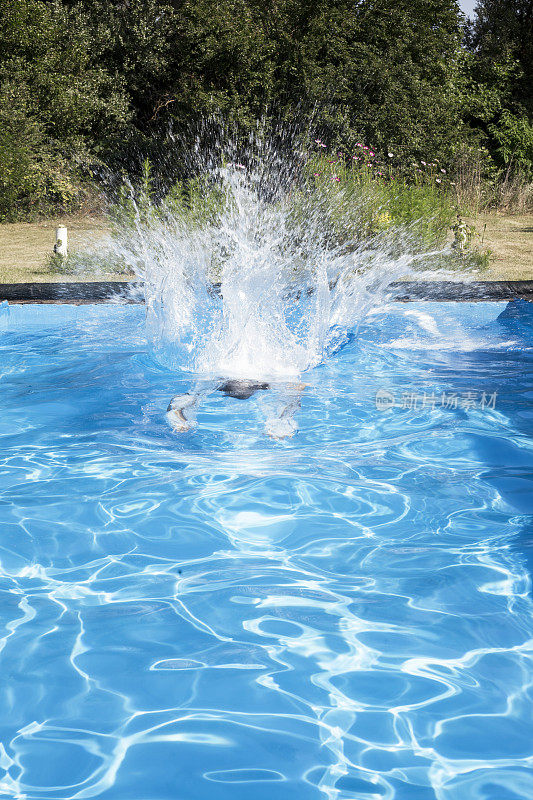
479 187
364 196
328 200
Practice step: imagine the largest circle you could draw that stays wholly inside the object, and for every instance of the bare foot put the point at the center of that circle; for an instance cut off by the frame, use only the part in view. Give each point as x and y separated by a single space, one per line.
284 425
181 412
281 428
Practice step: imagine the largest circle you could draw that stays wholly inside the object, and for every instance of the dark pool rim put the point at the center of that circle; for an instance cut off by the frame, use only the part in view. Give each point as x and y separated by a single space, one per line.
131 291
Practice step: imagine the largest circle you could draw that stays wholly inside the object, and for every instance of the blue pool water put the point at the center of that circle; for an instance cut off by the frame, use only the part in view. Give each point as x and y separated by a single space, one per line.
342 615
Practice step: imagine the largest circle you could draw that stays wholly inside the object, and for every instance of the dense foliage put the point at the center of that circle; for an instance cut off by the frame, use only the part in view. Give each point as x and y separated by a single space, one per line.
89 87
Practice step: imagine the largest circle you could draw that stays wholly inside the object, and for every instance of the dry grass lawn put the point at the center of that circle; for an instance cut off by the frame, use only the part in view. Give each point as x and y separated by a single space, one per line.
26 247
511 241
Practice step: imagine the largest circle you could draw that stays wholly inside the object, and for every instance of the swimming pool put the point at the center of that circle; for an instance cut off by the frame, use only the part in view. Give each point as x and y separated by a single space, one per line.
344 614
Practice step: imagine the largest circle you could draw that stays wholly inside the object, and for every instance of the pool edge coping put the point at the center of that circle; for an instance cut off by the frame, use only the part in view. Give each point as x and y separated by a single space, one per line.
126 292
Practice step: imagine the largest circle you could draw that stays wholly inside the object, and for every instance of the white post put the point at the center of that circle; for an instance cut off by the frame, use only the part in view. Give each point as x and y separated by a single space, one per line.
61 245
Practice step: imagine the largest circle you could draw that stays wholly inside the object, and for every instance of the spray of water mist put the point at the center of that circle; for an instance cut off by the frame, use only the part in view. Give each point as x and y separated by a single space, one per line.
250 277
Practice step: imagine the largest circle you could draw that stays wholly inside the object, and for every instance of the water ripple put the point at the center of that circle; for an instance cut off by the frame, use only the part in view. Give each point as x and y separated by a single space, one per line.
344 615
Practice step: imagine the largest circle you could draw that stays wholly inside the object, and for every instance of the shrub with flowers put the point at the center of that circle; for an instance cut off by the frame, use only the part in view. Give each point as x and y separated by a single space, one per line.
336 202
369 195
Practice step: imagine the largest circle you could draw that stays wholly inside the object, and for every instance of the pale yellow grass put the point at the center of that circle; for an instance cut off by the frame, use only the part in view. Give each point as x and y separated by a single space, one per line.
25 248
510 238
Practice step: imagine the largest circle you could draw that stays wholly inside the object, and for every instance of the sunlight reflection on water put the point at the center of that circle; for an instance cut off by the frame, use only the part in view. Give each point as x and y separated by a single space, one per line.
344 614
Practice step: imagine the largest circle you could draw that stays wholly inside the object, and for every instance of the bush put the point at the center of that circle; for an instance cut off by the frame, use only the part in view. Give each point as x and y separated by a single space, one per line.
57 105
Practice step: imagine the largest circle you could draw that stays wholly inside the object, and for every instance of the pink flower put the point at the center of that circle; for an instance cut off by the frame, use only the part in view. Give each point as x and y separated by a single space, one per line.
371 153
334 178
315 174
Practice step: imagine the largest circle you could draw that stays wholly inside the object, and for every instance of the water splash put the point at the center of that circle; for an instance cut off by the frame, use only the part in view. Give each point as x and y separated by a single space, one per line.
261 272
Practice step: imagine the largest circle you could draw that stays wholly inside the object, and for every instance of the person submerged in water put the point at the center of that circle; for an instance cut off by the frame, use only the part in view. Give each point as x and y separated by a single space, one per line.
182 409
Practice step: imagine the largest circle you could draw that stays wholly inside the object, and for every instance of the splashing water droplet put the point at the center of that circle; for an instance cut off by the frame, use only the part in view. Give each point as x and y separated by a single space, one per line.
261 273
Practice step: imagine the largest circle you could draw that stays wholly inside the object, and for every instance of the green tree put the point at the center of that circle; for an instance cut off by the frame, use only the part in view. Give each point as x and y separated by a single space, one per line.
385 67
502 30
382 69
57 104
498 96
